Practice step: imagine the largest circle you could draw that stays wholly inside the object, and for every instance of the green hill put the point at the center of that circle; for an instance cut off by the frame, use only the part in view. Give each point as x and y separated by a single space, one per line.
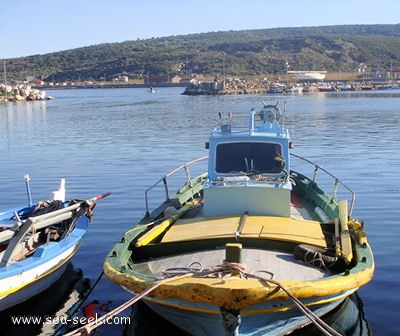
242 53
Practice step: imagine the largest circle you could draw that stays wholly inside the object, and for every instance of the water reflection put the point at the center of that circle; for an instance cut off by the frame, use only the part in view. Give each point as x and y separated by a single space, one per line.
49 308
347 319
20 121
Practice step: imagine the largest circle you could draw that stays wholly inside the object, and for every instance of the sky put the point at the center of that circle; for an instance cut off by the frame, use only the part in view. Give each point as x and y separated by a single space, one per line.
31 27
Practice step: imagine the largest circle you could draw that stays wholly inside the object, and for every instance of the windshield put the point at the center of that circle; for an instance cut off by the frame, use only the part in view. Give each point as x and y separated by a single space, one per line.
249 157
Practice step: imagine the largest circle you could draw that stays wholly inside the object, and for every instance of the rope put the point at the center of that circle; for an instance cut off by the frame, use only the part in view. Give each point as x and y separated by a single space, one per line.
88 328
227 269
88 293
316 320
224 272
315 259
82 301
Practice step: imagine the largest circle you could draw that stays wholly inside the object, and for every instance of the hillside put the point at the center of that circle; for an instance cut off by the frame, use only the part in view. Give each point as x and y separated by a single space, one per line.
241 53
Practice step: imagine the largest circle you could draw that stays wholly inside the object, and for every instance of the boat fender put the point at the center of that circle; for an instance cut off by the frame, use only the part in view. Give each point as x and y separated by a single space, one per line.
318 257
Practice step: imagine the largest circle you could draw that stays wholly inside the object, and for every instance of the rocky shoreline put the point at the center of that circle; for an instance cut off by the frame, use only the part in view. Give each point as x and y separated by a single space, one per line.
239 86
21 92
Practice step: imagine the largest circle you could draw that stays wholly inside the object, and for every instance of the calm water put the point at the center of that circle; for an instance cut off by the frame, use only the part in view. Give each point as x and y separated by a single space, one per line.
122 140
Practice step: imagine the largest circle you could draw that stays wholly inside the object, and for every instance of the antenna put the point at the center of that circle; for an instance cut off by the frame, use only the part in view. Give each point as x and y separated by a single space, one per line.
28 188
284 114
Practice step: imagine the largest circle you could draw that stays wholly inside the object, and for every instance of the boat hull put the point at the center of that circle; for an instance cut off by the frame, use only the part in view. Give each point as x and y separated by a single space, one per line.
23 280
31 288
201 319
250 243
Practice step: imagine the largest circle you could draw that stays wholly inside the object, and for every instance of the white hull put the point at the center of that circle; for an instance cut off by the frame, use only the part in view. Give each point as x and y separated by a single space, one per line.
36 243
21 287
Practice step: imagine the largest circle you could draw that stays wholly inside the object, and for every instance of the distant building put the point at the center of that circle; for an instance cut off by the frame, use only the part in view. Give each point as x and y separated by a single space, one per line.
120 79
303 76
37 82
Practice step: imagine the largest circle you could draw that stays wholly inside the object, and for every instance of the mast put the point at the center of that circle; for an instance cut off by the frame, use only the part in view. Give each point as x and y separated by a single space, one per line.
5 76
5 73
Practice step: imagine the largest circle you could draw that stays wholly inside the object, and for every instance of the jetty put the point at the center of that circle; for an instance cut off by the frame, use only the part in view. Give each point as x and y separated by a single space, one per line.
248 86
225 86
21 92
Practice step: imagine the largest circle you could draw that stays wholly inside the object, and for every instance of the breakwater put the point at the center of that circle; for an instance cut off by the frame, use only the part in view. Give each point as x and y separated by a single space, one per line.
21 92
239 86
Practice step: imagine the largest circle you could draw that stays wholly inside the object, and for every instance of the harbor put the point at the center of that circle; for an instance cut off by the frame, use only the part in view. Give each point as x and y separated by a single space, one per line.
78 147
242 86
210 170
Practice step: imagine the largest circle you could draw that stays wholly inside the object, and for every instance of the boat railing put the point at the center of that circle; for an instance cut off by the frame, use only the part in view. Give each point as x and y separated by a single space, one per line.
337 182
163 180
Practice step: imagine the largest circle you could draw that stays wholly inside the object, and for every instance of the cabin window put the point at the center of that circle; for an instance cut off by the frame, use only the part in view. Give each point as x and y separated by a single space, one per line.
248 157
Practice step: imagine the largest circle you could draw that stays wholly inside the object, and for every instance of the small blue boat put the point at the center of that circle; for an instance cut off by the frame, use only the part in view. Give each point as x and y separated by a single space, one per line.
37 241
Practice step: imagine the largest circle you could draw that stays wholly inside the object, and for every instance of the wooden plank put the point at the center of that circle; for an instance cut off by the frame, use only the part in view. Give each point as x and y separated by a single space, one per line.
263 227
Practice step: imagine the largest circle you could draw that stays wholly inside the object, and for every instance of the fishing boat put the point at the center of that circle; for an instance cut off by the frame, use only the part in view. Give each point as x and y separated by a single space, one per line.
251 246
277 88
37 241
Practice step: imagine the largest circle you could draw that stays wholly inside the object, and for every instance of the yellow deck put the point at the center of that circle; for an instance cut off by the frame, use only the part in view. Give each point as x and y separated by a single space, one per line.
263 227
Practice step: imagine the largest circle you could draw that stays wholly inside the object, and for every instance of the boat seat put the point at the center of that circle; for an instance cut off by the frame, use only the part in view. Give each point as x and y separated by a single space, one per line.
299 231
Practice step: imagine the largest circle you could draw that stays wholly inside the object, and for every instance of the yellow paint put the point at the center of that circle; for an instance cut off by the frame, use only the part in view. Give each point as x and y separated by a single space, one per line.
247 311
264 227
160 228
362 237
241 293
345 238
37 279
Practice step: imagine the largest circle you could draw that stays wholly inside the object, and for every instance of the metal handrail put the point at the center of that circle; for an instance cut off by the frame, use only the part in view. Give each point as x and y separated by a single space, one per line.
336 183
163 179
186 165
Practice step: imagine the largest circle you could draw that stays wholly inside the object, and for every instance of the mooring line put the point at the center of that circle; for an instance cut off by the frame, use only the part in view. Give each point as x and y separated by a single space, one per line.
233 268
88 328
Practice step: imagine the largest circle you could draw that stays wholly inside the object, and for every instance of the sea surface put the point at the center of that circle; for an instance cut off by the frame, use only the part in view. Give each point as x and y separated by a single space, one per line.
123 140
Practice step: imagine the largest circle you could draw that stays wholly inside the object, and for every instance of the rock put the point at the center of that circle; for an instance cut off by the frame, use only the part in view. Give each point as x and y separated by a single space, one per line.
18 97
21 93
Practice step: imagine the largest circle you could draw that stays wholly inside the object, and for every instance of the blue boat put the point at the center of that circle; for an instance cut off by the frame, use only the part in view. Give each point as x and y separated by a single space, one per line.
37 241
250 247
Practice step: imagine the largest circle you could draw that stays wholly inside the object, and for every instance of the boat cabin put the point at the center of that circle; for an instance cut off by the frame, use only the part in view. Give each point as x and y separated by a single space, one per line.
248 167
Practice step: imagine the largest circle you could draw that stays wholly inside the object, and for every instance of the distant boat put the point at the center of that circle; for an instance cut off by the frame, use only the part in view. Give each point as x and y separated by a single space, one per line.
388 87
294 89
326 87
276 88
249 247
151 90
367 87
346 87
37 241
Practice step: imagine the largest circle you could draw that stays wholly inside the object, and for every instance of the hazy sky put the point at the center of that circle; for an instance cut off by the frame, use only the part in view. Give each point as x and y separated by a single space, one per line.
30 27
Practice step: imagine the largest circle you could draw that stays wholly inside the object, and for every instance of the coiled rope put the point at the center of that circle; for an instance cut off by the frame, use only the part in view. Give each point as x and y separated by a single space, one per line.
224 272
